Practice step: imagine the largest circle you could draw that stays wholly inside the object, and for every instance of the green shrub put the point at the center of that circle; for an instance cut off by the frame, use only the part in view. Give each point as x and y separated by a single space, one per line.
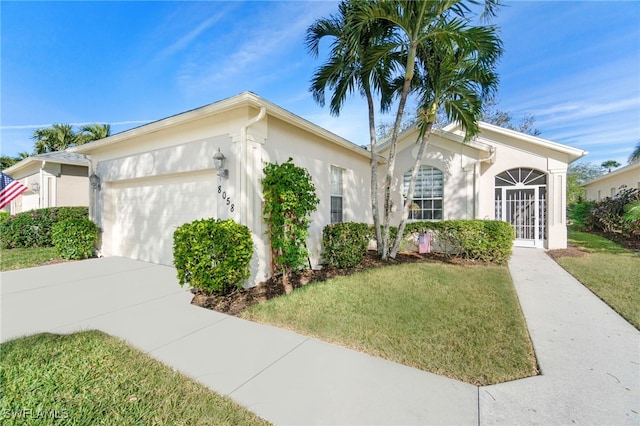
345 244
33 228
4 216
609 215
484 240
579 214
212 255
75 238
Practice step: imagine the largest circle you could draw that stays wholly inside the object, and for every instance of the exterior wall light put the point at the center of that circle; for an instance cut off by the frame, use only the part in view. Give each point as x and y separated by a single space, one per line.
35 187
94 180
218 162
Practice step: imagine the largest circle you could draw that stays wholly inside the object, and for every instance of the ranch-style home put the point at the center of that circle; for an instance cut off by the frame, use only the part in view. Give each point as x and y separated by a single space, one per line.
54 179
147 181
611 183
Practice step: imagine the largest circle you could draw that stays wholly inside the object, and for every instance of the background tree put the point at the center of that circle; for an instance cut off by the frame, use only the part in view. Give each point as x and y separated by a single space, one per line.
635 154
493 115
55 138
8 161
577 175
59 137
93 132
609 165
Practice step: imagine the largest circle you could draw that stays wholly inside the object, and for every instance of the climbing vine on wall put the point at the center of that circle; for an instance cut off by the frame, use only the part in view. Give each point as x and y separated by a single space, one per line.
289 199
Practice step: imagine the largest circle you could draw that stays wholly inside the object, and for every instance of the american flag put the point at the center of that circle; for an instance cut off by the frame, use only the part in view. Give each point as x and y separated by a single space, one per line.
10 189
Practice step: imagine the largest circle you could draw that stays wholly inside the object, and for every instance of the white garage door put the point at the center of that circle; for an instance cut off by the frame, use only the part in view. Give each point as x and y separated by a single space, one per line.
147 212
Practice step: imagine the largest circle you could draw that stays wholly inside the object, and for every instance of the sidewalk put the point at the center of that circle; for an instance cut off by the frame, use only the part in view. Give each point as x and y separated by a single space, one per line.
589 356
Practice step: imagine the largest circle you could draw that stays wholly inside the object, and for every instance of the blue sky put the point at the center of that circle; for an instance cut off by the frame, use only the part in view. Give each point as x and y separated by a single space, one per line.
573 65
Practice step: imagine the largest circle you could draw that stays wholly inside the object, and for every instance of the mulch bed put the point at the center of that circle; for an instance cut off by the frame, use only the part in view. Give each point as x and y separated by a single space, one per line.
239 300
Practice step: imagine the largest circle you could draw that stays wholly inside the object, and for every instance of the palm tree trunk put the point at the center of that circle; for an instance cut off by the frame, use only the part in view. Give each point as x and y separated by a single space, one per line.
375 199
412 185
411 58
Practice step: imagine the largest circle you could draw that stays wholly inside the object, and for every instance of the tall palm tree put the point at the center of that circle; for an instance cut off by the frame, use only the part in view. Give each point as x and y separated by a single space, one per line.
635 154
609 165
357 63
455 75
55 138
93 132
416 24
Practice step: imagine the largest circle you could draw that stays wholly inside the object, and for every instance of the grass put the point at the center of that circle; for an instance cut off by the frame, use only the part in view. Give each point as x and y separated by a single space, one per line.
609 270
459 321
91 378
20 258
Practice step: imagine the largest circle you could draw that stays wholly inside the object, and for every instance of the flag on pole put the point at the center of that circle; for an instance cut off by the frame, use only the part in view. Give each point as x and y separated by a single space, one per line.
10 189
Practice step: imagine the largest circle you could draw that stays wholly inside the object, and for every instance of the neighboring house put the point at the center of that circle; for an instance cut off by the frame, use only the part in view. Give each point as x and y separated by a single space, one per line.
55 179
149 180
610 184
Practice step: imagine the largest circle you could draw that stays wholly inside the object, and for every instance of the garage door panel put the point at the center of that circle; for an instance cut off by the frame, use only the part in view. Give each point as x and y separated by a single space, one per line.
147 212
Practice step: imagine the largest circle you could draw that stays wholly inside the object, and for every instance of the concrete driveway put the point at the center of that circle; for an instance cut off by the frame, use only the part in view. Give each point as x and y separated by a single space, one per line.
589 356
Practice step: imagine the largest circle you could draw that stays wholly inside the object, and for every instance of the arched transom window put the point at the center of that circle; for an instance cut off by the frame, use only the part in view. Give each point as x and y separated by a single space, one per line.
428 193
521 177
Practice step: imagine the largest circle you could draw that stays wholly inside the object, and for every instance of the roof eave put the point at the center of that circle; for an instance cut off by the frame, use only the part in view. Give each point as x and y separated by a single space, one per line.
246 98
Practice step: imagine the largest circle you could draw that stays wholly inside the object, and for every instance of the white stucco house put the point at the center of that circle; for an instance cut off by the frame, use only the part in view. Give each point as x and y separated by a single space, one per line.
151 179
55 179
610 184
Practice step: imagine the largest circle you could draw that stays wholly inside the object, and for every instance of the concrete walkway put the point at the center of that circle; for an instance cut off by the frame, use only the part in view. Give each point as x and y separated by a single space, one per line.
589 356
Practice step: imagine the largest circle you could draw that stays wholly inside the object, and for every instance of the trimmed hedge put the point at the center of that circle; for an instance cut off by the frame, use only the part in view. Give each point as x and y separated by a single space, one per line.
4 216
345 244
482 240
33 228
75 238
212 255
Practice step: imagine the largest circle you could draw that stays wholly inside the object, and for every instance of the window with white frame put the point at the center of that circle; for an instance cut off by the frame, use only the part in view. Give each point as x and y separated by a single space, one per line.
337 192
427 195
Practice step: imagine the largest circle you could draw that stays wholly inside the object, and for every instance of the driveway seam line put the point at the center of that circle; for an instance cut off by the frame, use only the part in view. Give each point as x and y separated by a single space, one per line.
73 281
269 366
114 311
151 351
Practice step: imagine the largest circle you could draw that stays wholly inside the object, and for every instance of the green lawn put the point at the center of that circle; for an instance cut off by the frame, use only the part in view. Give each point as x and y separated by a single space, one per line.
463 322
609 270
90 378
20 258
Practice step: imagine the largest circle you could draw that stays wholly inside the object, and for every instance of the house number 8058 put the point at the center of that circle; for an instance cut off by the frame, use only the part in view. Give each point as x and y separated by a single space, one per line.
227 199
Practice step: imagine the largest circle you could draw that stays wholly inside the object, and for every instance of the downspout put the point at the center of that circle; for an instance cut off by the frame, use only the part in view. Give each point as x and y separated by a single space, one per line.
42 188
244 160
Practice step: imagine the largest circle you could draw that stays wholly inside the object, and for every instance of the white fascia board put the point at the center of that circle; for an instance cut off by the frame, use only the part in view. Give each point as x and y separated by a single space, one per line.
614 173
573 153
243 99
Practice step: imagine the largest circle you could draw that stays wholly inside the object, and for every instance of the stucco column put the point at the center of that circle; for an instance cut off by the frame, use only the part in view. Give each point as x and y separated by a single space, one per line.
557 209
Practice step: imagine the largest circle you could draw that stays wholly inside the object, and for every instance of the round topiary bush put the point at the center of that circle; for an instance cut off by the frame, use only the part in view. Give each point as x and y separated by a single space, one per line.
75 238
212 255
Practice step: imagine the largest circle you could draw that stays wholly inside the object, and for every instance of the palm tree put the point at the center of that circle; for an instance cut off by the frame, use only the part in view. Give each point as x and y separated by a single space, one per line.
635 155
455 75
610 164
55 138
93 132
357 63
417 25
